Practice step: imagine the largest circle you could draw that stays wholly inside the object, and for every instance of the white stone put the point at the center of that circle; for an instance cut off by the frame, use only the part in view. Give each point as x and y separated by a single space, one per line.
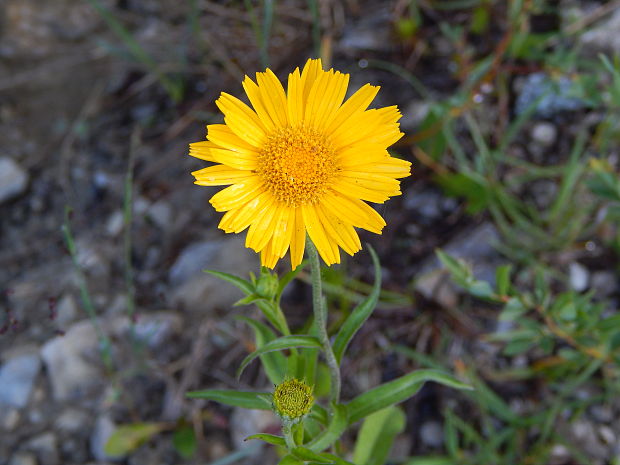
17 377
13 179
65 357
579 276
115 223
431 433
160 213
104 427
544 133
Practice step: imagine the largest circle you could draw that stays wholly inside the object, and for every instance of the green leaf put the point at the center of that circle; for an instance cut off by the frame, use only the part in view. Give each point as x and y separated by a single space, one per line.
332 433
290 460
397 391
244 399
319 414
127 438
184 441
463 185
282 343
245 286
430 460
308 455
360 313
502 278
512 310
376 436
268 438
274 363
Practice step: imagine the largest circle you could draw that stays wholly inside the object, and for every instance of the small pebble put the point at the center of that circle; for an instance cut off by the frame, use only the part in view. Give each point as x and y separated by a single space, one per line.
13 179
544 133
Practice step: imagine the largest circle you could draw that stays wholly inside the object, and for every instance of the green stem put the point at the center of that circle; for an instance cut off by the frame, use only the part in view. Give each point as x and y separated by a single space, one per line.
287 429
320 317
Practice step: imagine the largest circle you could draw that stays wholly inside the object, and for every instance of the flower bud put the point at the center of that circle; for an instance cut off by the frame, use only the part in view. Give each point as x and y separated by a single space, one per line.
292 400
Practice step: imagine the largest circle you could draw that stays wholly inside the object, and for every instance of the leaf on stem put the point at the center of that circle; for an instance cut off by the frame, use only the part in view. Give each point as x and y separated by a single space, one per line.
282 343
335 428
244 399
360 313
274 363
397 391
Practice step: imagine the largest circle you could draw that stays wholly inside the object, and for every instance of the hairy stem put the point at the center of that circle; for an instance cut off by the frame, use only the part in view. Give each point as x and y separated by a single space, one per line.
320 317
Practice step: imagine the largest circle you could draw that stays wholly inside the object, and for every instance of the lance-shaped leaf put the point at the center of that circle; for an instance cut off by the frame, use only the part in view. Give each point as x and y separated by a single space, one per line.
127 438
274 363
244 399
376 436
282 343
308 455
246 287
268 438
396 391
332 433
360 313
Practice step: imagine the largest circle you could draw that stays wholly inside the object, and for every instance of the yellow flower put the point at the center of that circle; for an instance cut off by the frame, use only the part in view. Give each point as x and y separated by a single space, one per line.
292 399
301 161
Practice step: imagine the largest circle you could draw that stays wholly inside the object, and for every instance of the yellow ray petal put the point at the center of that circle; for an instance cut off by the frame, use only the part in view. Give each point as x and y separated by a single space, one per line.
325 98
371 181
202 150
237 195
355 189
319 236
273 96
241 119
220 175
390 166
312 69
294 98
244 215
253 92
338 230
223 136
357 103
238 160
261 229
298 239
282 231
354 211
267 257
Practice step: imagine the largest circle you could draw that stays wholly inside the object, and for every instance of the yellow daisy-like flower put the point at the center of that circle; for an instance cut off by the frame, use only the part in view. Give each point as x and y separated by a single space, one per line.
301 161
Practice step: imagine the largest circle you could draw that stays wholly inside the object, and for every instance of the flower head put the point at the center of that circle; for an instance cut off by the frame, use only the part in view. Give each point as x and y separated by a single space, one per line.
292 399
301 161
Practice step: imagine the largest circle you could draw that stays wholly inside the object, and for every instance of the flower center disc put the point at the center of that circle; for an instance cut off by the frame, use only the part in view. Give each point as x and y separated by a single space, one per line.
297 164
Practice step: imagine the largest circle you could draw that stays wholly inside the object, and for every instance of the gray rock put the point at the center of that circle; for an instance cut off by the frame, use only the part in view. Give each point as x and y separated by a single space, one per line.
544 133
604 283
602 413
13 179
161 214
72 421
71 361
431 433
605 37
244 422
23 458
156 328
414 113
549 95
45 447
104 427
579 276
371 32
9 418
114 224
475 246
198 291
67 310
17 377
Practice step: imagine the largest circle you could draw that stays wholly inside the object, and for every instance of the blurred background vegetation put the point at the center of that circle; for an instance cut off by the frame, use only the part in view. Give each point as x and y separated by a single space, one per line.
499 260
